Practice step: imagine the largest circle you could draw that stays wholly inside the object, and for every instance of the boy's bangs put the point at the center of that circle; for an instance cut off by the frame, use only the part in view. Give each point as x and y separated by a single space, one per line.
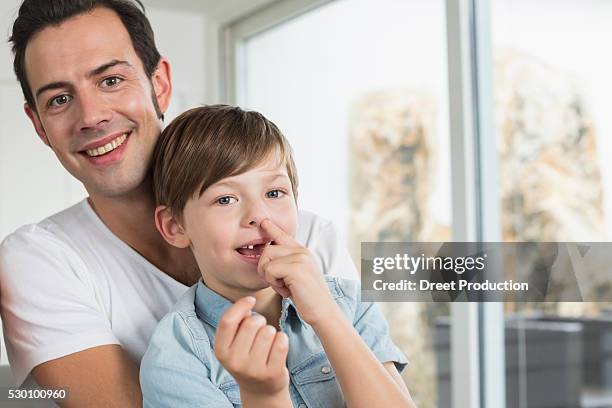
261 155
244 157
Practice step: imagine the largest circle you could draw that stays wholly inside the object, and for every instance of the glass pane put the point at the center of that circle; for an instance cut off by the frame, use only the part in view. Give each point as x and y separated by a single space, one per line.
359 87
552 90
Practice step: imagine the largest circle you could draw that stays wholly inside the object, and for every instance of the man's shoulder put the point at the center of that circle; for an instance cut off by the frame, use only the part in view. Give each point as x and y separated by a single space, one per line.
309 223
65 245
53 228
322 238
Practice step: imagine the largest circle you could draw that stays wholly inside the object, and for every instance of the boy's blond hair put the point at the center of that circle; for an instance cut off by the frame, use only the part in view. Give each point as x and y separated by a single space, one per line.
207 144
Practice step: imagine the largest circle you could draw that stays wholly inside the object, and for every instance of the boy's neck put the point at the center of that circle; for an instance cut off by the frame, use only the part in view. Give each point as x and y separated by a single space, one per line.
268 305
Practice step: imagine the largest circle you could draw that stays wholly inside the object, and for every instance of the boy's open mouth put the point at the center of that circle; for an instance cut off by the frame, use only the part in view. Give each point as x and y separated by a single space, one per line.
253 250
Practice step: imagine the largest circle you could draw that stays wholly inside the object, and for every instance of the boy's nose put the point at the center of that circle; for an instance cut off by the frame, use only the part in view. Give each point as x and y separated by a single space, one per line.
255 221
256 215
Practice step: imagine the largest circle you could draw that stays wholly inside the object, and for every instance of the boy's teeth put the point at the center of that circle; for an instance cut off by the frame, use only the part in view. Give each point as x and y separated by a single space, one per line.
250 246
110 146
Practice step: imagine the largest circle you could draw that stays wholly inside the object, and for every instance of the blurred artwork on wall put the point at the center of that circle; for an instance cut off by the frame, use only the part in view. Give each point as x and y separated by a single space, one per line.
549 172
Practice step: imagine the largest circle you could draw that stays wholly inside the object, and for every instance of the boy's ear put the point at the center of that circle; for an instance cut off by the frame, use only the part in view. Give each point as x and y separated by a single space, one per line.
169 227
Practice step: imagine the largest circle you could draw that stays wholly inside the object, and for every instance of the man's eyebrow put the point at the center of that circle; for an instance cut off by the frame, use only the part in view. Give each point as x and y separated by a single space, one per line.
104 67
52 85
92 73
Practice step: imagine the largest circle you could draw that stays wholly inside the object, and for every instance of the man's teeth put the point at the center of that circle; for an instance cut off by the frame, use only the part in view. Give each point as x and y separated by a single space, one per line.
110 146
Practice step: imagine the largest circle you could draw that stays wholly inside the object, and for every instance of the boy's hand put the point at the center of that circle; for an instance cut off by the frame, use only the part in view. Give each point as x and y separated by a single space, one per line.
291 271
254 353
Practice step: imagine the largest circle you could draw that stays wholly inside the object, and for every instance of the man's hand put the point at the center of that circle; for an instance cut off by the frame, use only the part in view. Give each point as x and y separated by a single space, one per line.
291 271
255 354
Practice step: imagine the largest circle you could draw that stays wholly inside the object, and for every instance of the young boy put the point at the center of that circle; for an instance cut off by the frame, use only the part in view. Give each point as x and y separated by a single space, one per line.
264 327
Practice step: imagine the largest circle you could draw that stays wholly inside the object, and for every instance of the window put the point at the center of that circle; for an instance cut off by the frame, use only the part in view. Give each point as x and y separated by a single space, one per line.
360 90
552 86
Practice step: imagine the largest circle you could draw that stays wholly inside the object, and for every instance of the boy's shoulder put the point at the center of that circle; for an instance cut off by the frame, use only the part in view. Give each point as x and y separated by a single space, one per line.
346 292
180 332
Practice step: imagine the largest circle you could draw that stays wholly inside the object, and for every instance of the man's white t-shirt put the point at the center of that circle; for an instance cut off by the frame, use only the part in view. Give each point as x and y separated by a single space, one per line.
68 284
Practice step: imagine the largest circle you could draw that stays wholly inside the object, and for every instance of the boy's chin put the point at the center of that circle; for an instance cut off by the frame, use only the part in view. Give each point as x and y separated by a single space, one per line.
256 283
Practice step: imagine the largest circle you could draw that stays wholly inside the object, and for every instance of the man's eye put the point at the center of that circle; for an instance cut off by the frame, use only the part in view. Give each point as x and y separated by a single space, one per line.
111 81
226 200
60 100
275 194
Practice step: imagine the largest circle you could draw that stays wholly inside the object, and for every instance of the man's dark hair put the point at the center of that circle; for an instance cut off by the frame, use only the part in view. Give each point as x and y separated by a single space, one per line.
36 15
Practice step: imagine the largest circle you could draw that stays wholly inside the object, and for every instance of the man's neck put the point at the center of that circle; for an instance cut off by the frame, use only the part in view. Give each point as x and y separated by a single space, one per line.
131 218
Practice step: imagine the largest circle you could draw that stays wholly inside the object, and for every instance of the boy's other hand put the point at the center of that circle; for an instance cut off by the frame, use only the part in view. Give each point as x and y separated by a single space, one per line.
254 353
291 270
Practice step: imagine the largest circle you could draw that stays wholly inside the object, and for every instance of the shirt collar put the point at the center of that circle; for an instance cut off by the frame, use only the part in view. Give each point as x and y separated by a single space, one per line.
210 305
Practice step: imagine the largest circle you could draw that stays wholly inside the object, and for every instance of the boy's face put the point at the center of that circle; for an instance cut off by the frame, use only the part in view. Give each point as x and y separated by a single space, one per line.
223 223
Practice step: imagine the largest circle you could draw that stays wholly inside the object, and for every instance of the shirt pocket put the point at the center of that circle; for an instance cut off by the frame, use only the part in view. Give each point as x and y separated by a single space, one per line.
316 383
232 392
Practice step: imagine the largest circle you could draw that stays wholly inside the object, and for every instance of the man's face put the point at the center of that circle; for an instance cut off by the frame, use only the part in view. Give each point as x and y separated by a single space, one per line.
223 223
94 101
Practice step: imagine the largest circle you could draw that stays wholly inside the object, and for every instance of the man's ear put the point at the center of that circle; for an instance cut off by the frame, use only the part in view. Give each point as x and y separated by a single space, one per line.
169 227
40 131
162 84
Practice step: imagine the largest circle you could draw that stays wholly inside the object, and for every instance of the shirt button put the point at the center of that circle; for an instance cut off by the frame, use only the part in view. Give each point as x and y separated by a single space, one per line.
302 406
326 369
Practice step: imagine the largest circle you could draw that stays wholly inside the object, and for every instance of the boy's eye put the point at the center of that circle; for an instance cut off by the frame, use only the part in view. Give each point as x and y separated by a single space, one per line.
60 100
226 200
275 194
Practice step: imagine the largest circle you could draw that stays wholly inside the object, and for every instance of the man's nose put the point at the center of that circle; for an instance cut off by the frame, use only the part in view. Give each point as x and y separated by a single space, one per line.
94 110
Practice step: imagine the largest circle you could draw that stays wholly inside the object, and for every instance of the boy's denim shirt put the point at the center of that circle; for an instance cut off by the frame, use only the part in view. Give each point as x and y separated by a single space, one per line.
180 368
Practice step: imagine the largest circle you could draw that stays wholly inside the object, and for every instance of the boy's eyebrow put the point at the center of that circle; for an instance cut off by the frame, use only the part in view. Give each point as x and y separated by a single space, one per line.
275 176
232 183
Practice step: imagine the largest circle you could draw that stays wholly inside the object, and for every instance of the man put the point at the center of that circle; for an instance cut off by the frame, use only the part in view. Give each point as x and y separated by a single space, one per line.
83 290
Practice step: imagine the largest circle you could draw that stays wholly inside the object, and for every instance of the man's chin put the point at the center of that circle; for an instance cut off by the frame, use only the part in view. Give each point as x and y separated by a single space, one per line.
115 188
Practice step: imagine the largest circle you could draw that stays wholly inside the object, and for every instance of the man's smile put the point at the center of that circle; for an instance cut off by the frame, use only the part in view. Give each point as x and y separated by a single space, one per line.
107 150
108 147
